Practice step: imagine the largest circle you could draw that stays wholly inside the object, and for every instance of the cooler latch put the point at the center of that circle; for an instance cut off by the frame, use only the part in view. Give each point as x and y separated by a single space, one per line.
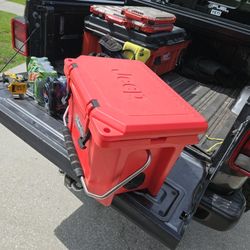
84 138
89 107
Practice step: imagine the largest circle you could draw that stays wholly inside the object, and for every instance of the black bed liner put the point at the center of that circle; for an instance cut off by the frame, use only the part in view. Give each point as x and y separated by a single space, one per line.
212 101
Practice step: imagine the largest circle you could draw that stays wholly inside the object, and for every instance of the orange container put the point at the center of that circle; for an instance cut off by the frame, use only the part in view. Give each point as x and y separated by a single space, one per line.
133 117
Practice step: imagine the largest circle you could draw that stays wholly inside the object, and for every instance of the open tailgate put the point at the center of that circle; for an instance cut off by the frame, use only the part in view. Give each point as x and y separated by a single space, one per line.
165 216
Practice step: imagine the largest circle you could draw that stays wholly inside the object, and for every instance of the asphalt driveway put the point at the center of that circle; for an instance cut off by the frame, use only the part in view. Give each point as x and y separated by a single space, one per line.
38 212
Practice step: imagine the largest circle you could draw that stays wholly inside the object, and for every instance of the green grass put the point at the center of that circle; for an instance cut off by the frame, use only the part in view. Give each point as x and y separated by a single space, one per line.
18 1
6 50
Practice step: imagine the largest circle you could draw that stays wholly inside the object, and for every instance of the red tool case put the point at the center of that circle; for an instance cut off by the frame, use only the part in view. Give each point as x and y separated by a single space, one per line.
134 119
165 47
149 15
112 14
151 28
117 14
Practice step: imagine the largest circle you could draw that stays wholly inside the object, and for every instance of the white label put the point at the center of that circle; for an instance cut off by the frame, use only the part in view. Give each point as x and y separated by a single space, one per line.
216 12
166 57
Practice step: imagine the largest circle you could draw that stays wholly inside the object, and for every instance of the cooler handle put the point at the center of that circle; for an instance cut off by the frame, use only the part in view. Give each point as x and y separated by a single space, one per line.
119 185
75 163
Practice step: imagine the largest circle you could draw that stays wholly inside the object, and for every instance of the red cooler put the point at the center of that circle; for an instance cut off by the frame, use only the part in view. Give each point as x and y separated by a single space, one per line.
135 122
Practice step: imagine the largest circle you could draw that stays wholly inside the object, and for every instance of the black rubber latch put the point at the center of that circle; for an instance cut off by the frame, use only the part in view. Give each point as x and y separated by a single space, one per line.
83 140
95 103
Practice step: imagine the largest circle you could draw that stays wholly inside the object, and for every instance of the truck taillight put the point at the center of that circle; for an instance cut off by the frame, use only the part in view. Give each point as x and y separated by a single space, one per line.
19 30
240 160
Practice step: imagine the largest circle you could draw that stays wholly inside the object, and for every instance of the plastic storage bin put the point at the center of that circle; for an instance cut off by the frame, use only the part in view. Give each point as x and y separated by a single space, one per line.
165 47
101 27
148 15
131 117
148 20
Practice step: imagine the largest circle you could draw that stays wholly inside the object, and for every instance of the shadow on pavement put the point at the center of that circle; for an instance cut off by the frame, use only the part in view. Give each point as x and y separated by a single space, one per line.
93 226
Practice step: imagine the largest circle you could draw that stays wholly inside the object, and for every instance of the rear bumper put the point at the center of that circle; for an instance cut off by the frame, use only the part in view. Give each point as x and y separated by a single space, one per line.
220 212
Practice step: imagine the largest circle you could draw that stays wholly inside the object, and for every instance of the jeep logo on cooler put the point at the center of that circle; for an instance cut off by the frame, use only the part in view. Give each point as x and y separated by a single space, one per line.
128 86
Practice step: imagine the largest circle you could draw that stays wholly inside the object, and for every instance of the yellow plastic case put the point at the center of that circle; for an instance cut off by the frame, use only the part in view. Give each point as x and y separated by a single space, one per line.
136 52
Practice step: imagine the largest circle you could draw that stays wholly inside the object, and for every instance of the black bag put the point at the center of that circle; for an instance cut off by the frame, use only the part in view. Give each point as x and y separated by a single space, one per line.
54 94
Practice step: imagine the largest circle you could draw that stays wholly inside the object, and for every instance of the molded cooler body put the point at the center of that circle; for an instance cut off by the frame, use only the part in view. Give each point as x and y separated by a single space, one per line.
128 110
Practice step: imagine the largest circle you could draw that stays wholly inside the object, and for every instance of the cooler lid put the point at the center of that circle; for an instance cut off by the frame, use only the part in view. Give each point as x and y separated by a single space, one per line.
132 101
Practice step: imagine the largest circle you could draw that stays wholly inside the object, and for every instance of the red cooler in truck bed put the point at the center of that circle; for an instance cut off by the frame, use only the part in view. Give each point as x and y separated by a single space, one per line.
133 118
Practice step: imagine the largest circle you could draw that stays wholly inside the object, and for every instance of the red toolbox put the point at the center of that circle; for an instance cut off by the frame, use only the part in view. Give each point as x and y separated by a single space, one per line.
111 13
165 58
135 120
150 21
103 10
149 15
90 43
151 28
165 46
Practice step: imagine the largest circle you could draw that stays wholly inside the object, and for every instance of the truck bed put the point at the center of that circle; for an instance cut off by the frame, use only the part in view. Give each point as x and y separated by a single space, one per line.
212 101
